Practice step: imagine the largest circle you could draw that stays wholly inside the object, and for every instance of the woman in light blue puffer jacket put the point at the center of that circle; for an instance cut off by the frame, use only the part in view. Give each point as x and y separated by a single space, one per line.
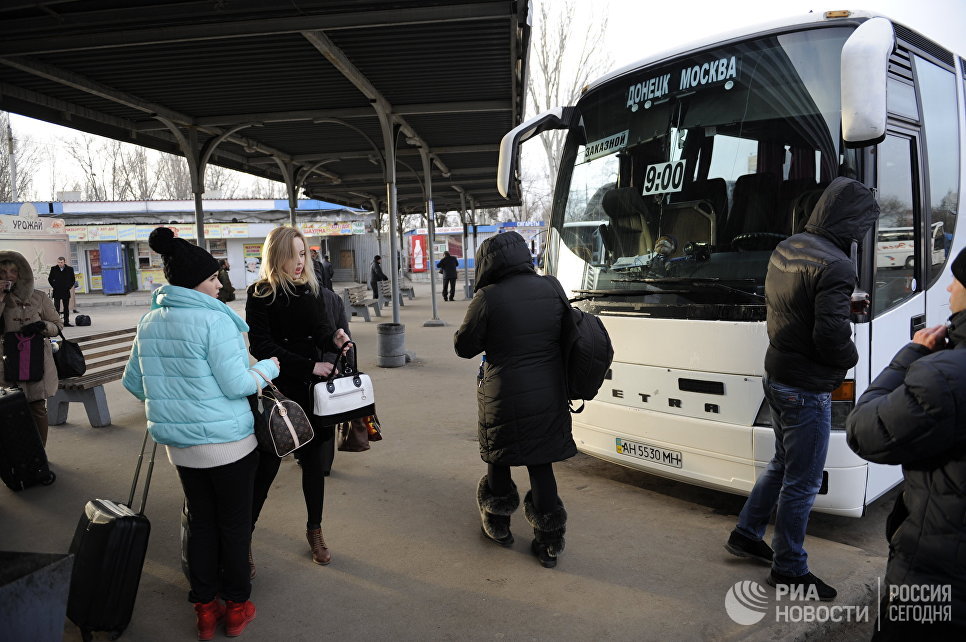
190 367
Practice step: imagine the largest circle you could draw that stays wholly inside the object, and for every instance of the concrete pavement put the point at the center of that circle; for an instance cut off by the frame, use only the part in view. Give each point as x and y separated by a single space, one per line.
644 557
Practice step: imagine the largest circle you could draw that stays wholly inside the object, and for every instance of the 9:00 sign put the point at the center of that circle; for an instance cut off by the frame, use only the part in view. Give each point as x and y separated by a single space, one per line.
663 178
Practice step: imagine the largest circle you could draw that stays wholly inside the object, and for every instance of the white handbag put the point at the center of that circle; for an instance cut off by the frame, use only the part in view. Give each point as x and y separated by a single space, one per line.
346 396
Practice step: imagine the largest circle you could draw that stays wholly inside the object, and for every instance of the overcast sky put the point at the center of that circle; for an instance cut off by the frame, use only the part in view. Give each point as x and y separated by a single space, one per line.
639 28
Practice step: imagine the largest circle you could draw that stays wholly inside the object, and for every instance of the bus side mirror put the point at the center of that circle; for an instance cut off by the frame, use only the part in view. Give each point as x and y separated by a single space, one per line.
556 118
865 67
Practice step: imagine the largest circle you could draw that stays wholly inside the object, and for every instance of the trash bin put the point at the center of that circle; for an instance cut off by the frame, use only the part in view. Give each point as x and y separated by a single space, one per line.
33 595
390 349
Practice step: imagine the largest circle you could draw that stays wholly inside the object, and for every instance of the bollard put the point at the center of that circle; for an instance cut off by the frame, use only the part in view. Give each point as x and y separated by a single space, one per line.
390 349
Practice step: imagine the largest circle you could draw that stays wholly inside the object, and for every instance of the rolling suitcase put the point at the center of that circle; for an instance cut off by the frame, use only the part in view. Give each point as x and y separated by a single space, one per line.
109 546
23 461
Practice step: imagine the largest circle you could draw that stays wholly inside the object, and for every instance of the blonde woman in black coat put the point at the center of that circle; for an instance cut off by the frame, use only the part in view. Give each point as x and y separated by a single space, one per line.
515 318
287 319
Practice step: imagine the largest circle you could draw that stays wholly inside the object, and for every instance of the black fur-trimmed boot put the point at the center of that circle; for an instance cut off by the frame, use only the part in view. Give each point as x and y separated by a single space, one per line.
495 511
548 531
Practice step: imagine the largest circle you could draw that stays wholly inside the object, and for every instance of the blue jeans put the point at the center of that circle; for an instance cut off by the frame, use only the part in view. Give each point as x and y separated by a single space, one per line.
802 421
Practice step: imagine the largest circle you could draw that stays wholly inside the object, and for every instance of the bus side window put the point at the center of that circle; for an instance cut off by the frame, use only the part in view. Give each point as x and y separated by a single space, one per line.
895 263
937 88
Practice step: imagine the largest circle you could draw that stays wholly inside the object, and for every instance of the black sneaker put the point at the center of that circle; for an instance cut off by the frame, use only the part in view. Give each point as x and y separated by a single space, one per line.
742 546
825 592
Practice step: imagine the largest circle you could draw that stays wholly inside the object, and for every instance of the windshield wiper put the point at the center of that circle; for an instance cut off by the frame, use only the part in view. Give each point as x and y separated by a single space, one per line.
589 295
691 284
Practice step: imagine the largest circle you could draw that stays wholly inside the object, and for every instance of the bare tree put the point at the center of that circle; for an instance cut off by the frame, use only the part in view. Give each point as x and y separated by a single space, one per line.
87 155
26 155
222 180
175 178
138 174
561 63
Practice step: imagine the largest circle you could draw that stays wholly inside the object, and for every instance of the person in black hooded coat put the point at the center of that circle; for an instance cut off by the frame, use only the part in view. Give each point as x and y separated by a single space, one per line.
808 289
515 318
914 415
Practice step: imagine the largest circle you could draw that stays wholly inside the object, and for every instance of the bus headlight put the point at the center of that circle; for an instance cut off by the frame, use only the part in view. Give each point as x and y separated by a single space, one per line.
843 401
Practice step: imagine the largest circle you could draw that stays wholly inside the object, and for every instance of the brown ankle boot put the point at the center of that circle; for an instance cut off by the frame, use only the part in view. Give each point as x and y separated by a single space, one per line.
320 554
251 563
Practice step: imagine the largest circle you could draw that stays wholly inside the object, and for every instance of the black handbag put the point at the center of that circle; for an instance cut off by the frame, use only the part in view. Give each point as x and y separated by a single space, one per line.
284 427
69 359
23 356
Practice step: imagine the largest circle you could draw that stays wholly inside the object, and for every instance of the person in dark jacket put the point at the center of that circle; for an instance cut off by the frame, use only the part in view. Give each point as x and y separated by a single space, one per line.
448 266
914 415
808 288
328 272
61 280
227 291
287 319
376 275
323 274
515 318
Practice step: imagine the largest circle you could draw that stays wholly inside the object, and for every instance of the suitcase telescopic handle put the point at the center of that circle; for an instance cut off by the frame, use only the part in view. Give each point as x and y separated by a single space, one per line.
137 473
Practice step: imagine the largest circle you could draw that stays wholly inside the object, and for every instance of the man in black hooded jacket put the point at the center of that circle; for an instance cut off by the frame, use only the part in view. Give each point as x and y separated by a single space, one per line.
808 288
914 414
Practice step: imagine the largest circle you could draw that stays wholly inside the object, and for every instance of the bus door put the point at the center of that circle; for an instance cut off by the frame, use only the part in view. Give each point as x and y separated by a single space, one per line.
898 300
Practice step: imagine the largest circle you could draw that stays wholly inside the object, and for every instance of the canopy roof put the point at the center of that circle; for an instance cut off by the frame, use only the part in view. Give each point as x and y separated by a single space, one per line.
288 86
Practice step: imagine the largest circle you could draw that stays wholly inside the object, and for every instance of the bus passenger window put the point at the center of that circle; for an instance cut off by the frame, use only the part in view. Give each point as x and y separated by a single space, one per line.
895 255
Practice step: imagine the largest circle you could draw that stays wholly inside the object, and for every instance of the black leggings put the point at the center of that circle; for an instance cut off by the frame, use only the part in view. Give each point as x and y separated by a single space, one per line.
219 504
311 458
543 486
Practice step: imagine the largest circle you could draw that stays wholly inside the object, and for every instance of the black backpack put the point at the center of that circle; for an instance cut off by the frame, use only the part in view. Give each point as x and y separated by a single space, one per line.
587 351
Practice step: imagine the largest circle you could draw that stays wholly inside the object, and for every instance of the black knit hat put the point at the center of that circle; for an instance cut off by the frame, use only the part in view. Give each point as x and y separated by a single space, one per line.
185 265
959 267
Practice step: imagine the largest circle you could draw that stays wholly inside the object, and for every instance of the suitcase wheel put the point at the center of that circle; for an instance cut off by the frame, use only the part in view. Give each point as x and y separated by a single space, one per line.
50 479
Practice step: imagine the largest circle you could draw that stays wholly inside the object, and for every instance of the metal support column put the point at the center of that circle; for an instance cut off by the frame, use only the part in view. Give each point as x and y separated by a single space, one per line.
197 158
431 227
11 160
389 141
288 173
467 292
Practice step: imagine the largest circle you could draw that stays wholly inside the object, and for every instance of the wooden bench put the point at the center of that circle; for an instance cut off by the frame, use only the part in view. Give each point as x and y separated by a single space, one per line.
385 293
406 287
106 354
357 300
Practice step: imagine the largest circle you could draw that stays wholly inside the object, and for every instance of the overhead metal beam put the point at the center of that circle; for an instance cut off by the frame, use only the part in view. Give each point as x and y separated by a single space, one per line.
204 20
87 85
463 107
352 73
361 153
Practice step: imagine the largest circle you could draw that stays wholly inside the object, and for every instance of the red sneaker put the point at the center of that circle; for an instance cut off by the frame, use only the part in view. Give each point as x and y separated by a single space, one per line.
209 615
238 616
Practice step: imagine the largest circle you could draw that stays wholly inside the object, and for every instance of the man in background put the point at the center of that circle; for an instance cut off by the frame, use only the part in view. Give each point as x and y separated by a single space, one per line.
328 271
227 291
448 268
321 274
61 280
376 275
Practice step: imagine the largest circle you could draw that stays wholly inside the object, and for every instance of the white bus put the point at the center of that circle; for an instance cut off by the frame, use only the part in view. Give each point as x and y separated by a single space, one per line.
678 177
896 246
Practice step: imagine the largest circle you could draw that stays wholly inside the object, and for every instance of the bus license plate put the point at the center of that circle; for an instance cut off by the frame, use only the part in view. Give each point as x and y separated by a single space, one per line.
649 453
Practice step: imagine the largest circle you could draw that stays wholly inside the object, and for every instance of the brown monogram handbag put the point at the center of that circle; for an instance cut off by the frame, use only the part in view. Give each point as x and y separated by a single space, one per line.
286 427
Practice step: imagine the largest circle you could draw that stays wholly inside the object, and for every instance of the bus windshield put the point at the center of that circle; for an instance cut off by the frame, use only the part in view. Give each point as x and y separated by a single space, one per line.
690 172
